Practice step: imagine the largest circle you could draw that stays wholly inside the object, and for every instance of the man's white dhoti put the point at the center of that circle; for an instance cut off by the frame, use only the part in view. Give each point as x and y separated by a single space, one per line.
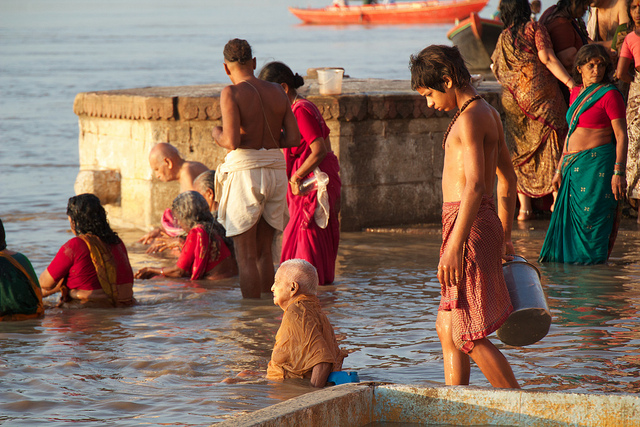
250 184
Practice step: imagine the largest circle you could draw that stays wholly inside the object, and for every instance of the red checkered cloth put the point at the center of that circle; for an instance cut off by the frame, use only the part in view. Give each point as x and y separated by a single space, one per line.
481 302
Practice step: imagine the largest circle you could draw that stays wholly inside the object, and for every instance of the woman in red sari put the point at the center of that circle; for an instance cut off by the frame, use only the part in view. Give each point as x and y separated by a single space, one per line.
204 255
313 231
94 265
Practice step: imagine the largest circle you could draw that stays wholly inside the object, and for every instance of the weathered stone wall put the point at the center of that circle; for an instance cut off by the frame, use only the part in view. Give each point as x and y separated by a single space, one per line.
387 140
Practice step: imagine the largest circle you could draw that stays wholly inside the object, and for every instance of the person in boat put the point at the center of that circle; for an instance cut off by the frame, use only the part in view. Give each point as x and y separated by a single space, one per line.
93 265
568 32
313 230
474 298
525 65
204 254
306 346
591 172
630 54
251 187
21 296
168 165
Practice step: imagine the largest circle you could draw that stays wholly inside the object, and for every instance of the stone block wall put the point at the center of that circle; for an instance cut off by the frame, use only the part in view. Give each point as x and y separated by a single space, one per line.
386 138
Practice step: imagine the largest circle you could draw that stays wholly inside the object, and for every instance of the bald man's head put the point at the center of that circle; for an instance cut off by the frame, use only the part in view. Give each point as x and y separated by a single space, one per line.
165 161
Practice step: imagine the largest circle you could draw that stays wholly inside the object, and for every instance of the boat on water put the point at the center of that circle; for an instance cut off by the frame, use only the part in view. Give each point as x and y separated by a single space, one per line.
415 12
476 38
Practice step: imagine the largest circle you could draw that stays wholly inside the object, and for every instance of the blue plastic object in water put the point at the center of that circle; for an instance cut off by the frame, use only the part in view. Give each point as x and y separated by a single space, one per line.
342 377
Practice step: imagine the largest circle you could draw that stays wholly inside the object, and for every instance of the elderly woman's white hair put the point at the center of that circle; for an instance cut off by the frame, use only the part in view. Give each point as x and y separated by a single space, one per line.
302 272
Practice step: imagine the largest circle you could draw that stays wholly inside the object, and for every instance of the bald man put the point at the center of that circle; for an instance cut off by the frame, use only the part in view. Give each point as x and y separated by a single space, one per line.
168 165
306 346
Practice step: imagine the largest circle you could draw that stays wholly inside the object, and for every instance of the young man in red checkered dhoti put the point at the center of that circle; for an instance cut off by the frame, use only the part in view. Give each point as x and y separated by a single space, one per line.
475 300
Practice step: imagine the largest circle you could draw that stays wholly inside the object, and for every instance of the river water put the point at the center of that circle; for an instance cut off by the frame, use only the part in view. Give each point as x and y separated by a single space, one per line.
162 362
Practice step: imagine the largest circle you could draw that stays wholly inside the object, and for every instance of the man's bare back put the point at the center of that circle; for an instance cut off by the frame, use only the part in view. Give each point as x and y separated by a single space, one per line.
609 14
256 100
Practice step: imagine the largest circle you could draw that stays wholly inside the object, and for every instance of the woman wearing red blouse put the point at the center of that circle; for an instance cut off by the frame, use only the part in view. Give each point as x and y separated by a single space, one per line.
313 231
94 265
205 255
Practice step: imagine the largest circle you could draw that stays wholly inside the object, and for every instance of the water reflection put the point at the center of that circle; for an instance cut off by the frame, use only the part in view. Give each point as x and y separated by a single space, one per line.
163 361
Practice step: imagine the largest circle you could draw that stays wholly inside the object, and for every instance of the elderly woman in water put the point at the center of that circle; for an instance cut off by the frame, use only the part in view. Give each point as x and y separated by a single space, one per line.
591 173
94 265
204 254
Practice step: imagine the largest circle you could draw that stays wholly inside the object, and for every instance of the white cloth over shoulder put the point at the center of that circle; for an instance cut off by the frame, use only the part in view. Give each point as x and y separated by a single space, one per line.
251 184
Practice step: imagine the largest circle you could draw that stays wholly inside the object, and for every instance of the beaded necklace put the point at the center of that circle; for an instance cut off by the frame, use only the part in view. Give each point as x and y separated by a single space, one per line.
455 117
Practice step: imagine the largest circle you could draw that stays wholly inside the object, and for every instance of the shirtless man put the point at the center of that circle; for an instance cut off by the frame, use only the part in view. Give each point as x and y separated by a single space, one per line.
168 165
604 18
252 182
475 300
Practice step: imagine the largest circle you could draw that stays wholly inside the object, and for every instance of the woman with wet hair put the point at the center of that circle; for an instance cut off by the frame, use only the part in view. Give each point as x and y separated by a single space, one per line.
313 231
94 265
204 254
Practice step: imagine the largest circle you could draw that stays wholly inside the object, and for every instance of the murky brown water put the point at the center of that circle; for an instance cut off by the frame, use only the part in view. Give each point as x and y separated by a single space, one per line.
162 361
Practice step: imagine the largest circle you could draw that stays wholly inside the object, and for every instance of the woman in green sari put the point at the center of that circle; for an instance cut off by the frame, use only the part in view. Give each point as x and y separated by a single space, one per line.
590 177
20 293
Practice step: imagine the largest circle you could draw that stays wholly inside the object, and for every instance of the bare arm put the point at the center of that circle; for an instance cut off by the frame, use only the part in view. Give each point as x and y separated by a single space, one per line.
618 182
567 57
622 72
318 153
290 136
506 191
229 136
149 272
471 144
549 59
320 373
48 284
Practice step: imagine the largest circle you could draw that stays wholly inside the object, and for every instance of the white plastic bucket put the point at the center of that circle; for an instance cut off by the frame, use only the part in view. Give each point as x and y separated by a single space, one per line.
330 81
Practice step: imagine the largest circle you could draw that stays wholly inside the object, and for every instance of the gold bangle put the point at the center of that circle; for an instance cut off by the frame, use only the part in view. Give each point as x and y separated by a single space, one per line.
162 272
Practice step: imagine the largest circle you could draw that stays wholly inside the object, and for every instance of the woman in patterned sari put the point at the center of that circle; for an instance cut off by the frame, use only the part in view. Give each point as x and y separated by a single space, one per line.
525 66
204 255
590 174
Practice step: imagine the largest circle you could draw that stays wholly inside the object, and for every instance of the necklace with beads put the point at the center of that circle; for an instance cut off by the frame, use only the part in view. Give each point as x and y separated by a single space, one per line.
455 117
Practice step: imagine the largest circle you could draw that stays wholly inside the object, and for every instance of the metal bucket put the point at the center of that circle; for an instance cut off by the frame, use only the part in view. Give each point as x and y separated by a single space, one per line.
531 319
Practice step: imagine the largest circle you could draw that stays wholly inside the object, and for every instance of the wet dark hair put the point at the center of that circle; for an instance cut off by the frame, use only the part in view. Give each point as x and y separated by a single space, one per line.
237 50
3 237
631 25
88 216
586 54
515 14
278 72
567 5
434 63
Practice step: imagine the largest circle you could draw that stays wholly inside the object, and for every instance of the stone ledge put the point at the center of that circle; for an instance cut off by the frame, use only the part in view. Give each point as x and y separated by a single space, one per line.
361 99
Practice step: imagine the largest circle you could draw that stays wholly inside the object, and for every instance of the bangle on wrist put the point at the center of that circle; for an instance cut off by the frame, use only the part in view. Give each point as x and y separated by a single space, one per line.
558 171
162 272
617 172
619 164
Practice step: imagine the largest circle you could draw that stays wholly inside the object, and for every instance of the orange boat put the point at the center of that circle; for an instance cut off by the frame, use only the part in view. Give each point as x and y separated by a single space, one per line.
416 12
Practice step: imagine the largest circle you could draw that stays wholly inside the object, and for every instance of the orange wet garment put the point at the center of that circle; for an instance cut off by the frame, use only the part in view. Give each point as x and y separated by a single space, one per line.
305 338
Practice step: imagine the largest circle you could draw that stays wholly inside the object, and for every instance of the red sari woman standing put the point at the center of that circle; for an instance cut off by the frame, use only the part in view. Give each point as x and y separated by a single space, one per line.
313 231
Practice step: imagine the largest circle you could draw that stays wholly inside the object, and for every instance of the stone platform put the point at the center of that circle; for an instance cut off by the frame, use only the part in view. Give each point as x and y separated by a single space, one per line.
387 140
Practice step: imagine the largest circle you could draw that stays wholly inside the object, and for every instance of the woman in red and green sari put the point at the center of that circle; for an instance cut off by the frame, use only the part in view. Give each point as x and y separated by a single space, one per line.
590 175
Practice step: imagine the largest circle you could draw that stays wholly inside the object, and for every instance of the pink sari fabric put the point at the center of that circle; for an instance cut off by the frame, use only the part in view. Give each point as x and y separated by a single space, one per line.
302 237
